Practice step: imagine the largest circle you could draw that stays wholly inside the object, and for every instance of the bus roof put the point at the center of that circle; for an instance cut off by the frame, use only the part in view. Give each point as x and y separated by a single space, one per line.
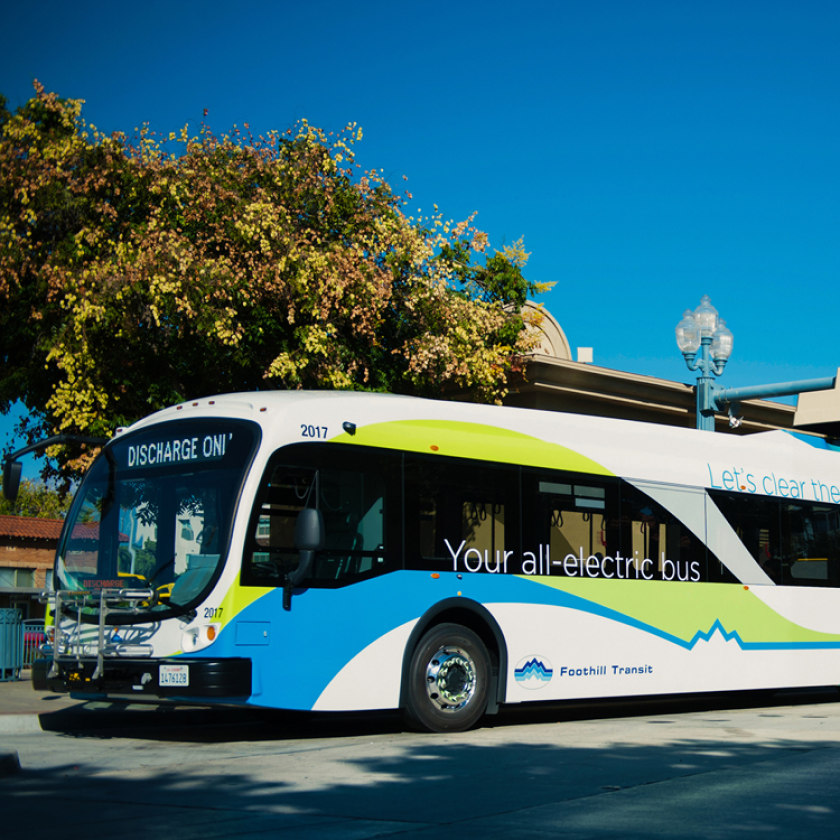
767 463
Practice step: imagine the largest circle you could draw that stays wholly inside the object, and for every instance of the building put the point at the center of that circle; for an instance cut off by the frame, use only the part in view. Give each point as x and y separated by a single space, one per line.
553 381
27 552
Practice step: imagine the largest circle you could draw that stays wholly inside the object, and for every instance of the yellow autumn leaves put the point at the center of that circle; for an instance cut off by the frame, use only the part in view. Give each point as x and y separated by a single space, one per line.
132 277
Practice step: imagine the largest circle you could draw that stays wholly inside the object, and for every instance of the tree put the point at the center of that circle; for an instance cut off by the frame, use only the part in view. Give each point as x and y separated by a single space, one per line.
38 500
139 272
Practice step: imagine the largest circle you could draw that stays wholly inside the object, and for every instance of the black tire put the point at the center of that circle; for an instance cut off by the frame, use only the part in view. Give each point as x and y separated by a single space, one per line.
448 680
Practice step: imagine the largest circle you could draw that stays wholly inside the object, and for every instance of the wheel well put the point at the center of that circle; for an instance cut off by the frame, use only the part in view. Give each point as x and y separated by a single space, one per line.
469 614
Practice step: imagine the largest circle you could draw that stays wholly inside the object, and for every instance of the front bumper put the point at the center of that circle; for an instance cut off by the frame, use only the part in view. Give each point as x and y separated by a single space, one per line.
217 679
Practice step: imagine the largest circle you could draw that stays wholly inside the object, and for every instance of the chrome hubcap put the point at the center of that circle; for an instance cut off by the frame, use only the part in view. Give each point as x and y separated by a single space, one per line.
450 678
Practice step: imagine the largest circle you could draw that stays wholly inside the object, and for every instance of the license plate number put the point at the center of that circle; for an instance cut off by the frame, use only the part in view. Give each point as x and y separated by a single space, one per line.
174 675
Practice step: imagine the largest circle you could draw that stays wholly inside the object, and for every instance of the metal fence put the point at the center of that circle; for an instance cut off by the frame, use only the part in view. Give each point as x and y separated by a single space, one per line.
20 642
11 644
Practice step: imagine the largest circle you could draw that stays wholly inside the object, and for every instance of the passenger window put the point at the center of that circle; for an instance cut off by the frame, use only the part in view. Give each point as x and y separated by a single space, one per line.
796 543
570 527
660 546
349 488
286 490
576 513
353 505
755 519
460 516
810 544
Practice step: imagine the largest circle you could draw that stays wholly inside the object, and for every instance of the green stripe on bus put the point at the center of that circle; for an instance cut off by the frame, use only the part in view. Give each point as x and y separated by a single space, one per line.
685 609
471 440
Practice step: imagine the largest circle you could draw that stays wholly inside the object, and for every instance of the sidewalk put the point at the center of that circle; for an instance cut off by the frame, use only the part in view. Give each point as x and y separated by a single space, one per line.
20 708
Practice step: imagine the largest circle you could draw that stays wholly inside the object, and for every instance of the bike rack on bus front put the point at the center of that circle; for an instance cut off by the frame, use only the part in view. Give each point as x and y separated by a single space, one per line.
69 645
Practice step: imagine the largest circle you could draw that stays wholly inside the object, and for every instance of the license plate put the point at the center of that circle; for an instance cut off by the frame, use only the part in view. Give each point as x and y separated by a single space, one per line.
174 675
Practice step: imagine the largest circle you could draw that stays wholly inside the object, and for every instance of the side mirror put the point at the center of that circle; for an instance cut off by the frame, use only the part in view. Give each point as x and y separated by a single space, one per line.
11 478
12 467
309 530
310 536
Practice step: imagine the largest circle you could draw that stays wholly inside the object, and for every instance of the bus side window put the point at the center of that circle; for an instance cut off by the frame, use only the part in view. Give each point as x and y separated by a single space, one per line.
572 515
660 545
460 515
756 521
271 555
351 489
810 536
353 505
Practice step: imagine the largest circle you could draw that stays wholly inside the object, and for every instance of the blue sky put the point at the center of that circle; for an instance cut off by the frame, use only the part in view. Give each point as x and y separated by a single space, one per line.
648 152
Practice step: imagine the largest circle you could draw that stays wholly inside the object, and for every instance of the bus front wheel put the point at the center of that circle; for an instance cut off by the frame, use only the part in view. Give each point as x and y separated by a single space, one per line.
448 680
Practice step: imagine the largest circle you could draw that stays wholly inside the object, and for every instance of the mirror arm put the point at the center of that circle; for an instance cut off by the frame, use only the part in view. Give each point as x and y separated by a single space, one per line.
12 469
299 574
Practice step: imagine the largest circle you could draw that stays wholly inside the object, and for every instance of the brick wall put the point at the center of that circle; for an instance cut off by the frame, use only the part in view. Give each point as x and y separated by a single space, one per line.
29 544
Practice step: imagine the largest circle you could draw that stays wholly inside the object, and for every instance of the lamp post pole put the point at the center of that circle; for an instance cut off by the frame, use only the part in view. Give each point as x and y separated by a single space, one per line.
703 330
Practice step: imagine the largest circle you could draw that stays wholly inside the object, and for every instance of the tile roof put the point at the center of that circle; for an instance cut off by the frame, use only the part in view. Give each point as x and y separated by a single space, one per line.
28 527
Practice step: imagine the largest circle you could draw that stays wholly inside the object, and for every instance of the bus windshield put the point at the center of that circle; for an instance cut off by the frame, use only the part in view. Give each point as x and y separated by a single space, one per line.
155 512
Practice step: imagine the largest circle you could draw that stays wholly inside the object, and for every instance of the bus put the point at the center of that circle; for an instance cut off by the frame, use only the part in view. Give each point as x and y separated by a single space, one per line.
340 551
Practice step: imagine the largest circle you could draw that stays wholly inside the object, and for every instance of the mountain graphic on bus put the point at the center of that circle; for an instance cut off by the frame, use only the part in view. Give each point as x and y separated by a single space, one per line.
533 672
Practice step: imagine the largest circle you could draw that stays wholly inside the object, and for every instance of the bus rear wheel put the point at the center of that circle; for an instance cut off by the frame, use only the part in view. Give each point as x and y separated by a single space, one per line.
448 680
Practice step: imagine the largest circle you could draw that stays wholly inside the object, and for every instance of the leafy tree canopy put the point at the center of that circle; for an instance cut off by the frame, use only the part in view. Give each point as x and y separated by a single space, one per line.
139 271
36 499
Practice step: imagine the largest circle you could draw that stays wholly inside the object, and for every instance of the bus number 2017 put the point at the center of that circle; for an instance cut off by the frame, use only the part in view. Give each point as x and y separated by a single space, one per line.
313 431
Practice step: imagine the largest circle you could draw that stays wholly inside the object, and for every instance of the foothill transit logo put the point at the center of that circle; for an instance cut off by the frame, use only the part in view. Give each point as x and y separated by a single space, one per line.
533 672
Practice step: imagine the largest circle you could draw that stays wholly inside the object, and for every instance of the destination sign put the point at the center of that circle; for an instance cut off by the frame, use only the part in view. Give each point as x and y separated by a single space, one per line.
178 449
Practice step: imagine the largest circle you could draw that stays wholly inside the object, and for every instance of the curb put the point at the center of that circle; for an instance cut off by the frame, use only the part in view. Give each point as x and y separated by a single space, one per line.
9 764
17 724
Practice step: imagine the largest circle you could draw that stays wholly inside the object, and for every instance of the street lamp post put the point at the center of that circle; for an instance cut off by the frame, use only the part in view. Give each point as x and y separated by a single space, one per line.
705 331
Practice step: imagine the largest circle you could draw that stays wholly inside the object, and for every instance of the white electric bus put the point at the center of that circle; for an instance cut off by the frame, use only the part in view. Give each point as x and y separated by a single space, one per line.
346 551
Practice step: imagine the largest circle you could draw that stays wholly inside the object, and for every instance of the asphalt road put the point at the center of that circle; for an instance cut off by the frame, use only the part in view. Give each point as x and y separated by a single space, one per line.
711 768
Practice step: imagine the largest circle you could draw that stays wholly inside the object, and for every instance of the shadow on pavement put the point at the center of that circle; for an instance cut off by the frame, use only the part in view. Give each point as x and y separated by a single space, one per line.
422 787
